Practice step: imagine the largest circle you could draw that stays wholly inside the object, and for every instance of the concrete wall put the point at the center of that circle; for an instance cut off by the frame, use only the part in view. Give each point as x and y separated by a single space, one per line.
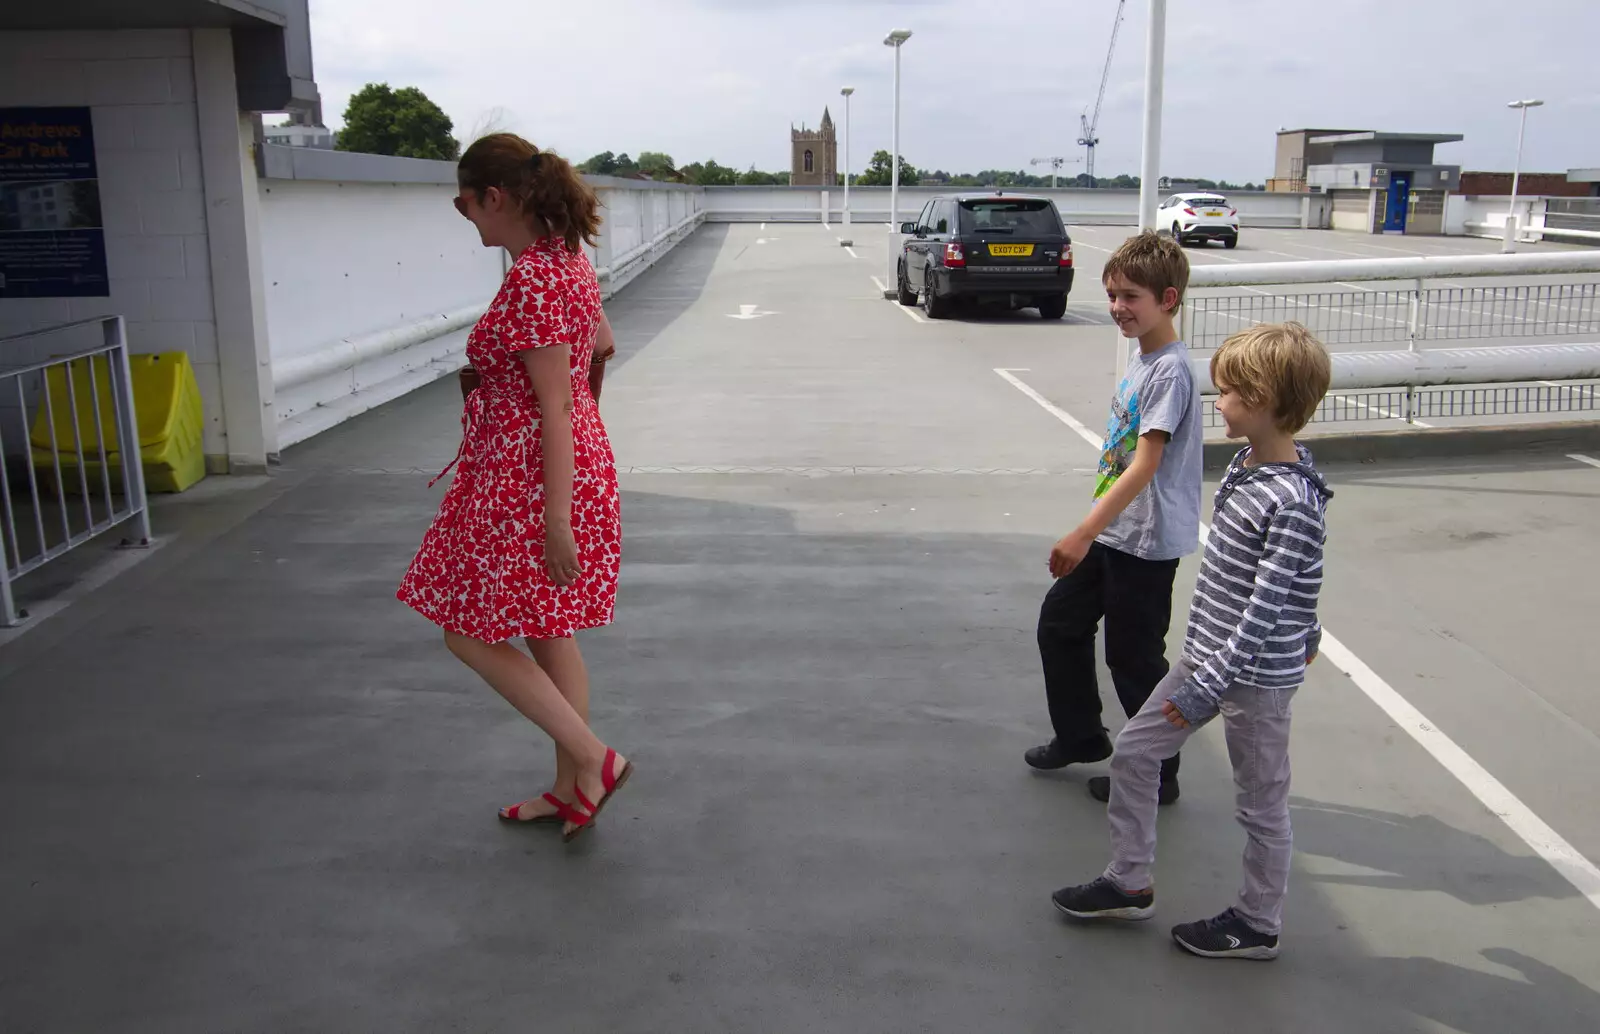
372 281
1485 216
140 88
643 221
345 261
1077 206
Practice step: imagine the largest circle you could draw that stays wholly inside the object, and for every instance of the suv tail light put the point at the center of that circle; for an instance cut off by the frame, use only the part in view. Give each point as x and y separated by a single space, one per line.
1233 211
1187 210
1066 256
954 257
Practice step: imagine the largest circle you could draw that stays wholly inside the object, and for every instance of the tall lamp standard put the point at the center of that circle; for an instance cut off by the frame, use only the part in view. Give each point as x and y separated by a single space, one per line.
1509 243
895 39
846 92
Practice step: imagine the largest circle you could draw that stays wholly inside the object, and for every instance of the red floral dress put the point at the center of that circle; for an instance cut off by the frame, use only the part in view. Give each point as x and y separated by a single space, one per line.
480 571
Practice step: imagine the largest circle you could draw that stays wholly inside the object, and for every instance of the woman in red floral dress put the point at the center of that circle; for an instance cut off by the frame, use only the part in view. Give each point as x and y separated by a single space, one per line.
527 542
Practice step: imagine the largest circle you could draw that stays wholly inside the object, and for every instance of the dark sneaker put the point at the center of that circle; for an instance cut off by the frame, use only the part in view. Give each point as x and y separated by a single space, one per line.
1100 789
1054 755
1226 936
1103 899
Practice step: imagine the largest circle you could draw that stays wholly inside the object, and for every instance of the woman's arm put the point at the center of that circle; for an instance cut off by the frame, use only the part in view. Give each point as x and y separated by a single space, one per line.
605 343
550 371
605 346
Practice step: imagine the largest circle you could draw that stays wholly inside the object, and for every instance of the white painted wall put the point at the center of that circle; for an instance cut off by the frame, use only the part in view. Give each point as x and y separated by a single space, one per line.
1484 215
642 222
340 259
140 87
347 260
871 204
371 286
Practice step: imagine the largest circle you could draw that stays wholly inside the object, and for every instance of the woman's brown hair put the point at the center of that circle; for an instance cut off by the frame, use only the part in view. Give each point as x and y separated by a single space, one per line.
542 183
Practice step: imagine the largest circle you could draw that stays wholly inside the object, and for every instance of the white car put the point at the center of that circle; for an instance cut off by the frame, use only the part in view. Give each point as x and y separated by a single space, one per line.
1199 217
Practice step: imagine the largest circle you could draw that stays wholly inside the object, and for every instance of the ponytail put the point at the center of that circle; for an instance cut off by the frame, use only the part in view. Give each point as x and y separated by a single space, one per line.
543 184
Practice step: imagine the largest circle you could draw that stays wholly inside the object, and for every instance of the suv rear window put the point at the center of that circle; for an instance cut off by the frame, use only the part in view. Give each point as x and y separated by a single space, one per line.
1210 201
1027 217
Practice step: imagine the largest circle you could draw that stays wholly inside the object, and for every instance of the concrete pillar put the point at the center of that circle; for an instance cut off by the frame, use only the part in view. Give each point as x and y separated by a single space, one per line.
825 208
1305 213
232 205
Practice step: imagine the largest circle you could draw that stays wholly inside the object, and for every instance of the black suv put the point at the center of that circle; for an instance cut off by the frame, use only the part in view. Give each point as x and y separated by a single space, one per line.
993 247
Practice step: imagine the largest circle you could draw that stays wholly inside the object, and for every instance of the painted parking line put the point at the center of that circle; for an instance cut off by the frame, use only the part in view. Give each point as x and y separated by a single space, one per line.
1590 460
1505 805
1586 392
1379 410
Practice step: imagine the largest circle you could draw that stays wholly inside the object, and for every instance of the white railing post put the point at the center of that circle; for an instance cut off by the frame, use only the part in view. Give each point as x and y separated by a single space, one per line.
127 428
1414 323
9 617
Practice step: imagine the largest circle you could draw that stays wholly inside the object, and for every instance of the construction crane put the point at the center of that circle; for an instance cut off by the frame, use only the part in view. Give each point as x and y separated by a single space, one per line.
1091 125
1055 162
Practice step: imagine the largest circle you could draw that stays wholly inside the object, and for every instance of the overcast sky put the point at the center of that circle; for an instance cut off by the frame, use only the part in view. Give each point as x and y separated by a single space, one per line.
986 84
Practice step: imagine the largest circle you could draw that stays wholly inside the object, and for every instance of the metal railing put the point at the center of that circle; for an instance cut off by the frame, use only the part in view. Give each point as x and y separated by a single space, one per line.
1578 216
1414 404
1413 314
1410 304
49 507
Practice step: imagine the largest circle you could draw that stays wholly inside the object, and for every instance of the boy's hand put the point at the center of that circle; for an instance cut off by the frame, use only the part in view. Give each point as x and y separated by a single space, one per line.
1173 715
1310 658
1068 553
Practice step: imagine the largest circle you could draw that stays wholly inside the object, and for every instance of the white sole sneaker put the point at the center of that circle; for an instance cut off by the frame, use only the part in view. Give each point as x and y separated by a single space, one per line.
1133 913
1259 952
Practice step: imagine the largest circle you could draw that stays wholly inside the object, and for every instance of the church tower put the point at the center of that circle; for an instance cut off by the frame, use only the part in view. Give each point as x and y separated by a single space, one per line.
814 154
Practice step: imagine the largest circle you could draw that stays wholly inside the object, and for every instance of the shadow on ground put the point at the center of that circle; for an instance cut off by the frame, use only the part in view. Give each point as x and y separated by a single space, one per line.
260 796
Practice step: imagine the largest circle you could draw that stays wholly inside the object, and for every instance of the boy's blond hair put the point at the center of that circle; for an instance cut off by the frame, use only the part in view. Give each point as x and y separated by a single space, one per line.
1150 261
1277 366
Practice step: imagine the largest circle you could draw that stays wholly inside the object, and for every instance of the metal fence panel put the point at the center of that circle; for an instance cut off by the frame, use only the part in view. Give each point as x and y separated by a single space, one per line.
39 519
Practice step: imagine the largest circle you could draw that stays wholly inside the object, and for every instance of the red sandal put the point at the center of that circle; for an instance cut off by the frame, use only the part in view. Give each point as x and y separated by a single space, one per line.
611 783
510 814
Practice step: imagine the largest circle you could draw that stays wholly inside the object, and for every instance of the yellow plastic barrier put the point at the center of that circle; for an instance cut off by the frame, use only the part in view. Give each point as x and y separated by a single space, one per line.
166 401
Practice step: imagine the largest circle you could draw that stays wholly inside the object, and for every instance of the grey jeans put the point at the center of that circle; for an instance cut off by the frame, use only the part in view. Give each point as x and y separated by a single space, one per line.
1257 726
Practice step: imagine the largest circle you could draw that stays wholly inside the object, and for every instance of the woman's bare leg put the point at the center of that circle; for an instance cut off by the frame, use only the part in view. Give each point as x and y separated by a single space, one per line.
525 685
563 662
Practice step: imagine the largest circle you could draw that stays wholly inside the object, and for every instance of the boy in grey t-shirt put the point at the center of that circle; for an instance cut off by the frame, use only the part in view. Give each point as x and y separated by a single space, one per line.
1119 563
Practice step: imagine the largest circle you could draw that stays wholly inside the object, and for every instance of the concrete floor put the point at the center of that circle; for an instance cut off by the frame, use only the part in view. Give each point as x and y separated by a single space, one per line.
243 789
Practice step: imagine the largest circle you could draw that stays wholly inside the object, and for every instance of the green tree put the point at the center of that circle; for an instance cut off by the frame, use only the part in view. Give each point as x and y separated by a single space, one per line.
710 174
879 173
656 164
602 164
753 178
401 122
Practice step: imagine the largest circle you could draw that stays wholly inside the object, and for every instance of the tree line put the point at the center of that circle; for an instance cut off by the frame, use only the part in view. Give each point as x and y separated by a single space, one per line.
657 165
380 120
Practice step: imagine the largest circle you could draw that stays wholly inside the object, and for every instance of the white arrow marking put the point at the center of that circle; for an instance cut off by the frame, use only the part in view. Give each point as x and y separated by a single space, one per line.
749 312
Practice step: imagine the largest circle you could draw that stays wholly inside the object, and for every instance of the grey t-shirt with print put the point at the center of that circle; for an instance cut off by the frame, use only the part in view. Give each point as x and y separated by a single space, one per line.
1156 394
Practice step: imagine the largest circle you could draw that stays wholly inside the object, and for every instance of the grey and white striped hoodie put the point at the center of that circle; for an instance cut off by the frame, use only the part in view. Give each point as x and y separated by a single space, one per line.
1253 620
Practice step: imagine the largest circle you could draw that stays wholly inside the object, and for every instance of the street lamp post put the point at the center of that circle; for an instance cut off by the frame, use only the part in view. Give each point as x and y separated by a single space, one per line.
895 39
1155 56
847 91
1509 242
1154 67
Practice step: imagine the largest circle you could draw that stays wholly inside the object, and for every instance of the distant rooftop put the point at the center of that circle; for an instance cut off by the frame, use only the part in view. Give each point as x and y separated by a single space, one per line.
1366 136
1583 175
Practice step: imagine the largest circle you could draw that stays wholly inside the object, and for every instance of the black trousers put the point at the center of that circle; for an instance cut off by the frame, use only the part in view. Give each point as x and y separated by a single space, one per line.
1134 597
